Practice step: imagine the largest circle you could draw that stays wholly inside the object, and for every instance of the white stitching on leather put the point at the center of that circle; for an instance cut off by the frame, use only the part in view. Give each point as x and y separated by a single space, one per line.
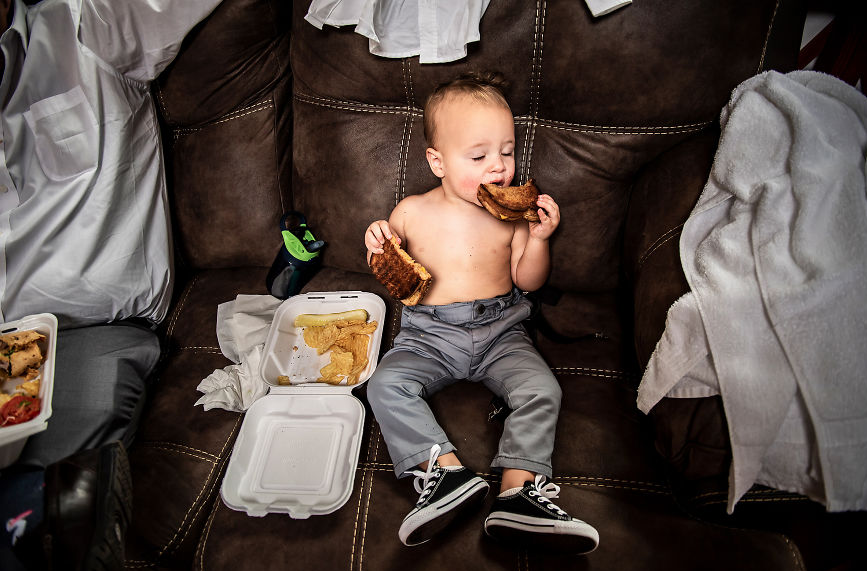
200 349
360 468
409 121
356 106
519 120
538 42
796 553
616 487
671 233
180 306
615 481
374 434
201 492
206 532
590 372
768 37
624 130
255 108
181 449
400 166
637 128
534 92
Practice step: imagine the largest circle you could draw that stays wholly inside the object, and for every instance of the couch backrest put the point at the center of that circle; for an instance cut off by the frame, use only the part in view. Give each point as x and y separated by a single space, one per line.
594 101
225 104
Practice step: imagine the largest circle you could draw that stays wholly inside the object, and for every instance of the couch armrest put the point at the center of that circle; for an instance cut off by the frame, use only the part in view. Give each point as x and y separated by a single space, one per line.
661 200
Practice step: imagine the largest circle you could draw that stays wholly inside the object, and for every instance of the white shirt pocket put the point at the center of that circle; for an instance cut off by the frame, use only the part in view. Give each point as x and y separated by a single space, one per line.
66 132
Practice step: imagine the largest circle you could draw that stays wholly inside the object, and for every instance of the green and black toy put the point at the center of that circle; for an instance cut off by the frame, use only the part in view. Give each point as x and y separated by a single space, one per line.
298 258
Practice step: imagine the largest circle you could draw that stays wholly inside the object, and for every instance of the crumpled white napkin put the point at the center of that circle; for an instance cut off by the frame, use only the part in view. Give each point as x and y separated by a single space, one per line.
242 328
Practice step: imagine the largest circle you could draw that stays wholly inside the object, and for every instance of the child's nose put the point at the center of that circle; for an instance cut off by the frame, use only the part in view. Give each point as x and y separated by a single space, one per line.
499 164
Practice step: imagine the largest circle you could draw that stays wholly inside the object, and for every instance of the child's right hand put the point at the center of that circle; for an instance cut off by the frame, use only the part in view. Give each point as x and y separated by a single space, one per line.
376 235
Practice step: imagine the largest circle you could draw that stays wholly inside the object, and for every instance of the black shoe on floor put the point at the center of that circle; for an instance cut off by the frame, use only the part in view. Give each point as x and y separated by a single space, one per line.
446 493
88 505
530 519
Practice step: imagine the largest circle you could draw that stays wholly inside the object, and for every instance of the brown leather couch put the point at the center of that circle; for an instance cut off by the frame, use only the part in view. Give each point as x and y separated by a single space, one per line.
617 118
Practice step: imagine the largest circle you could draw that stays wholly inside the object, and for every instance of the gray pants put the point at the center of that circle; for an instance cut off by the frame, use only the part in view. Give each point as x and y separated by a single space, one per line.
100 376
480 341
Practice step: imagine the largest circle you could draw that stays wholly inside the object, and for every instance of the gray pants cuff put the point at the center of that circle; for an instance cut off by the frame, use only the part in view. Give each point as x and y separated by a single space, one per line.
403 468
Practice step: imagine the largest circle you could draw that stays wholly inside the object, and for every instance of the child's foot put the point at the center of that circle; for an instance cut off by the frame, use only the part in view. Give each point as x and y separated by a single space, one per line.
528 518
446 492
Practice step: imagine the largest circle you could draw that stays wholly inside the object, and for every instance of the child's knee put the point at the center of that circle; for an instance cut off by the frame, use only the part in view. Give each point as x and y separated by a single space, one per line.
543 392
385 390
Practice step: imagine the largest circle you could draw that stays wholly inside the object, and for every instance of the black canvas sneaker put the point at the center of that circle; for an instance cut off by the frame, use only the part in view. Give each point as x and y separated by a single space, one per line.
529 518
446 493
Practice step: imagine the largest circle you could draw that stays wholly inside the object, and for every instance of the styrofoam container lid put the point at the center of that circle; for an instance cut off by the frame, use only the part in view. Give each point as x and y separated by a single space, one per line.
13 438
298 446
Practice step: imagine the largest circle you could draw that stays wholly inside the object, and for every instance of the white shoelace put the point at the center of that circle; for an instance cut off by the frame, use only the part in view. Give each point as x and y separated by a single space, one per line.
424 481
543 494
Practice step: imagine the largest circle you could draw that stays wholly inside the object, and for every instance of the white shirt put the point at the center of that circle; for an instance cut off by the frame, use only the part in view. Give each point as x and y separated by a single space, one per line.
84 225
435 30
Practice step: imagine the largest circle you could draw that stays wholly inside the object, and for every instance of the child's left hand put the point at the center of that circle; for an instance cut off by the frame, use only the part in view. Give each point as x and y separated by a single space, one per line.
549 218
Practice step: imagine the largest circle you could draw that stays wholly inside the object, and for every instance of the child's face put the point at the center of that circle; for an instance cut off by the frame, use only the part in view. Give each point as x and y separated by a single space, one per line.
475 145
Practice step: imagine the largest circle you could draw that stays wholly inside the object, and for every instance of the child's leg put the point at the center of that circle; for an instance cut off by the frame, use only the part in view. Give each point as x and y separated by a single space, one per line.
446 489
515 478
396 393
523 513
519 375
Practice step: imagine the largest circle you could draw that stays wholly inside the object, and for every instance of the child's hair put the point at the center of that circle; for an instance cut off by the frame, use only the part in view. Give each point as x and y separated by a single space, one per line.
485 87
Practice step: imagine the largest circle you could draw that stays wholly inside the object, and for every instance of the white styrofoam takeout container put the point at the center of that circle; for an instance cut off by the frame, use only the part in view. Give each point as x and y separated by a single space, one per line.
14 437
298 446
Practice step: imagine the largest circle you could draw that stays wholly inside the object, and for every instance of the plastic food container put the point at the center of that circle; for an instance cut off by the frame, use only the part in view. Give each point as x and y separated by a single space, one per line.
298 446
14 437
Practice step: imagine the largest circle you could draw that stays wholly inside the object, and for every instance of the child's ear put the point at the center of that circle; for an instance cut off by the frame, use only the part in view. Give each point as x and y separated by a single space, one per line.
435 160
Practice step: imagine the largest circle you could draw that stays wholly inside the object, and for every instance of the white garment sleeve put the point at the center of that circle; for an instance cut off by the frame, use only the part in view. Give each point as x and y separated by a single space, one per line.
139 38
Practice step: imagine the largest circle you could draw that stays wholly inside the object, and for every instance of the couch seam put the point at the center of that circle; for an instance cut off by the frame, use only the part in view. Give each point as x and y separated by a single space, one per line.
355 541
615 487
520 119
201 349
534 92
355 106
357 517
163 107
591 372
375 435
639 128
180 449
624 130
658 243
768 37
795 553
400 163
757 500
180 306
575 481
206 532
234 431
243 112
407 126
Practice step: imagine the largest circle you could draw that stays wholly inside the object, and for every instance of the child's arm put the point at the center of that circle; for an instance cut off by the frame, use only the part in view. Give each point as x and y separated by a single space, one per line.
531 260
381 230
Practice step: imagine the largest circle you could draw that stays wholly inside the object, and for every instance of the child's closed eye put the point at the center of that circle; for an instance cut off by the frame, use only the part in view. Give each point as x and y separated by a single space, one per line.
477 159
